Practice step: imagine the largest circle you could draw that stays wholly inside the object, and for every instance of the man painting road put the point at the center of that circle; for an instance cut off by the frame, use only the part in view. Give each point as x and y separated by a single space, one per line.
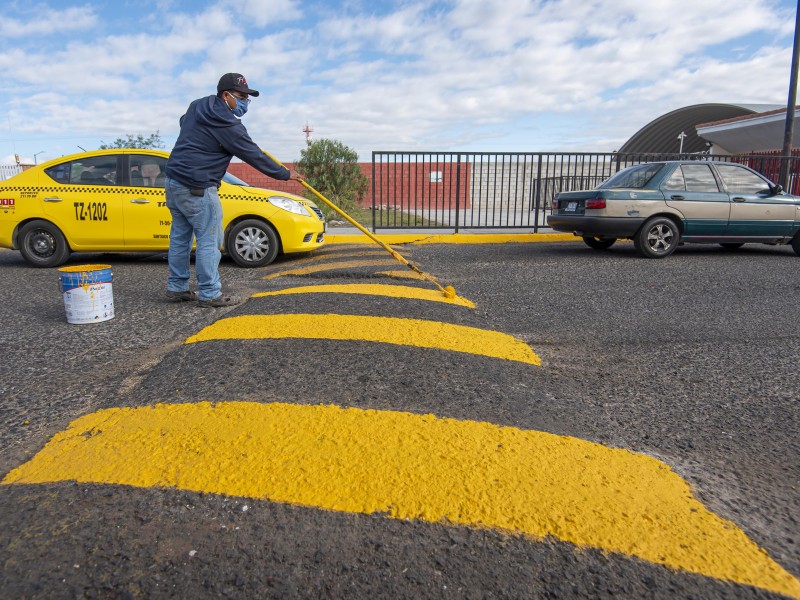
211 135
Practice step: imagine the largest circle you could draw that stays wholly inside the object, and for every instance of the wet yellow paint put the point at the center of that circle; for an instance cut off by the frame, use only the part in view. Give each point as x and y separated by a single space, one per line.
329 266
387 330
357 252
83 268
455 238
402 275
372 289
410 466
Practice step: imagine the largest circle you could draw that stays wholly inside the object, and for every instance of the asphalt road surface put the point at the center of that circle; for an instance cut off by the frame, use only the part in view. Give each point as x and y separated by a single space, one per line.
692 360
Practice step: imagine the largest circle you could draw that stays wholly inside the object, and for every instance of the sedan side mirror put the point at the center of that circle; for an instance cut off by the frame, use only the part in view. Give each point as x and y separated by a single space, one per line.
776 189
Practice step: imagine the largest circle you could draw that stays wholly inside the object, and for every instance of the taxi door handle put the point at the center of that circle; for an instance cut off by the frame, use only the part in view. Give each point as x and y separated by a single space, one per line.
52 199
738 199
140 201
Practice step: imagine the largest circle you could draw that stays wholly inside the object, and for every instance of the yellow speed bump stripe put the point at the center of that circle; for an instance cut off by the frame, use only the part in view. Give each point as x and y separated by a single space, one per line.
411 466
358 252
372 289
402 275
388 330
342 264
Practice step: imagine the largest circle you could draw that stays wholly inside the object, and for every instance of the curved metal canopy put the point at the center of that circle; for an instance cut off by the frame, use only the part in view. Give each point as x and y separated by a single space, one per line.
661 135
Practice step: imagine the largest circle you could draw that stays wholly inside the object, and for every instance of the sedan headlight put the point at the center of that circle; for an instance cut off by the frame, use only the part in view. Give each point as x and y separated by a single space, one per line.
290 205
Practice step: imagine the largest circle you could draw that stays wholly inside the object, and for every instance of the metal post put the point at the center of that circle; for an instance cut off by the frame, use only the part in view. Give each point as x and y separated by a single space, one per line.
458 186
374 229
785 174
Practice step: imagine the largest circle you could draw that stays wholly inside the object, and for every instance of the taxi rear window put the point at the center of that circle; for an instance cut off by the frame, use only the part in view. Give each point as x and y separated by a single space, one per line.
94 170
59 172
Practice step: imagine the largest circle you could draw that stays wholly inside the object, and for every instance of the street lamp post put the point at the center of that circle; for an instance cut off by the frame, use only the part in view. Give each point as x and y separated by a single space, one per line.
682 135
35 162
785 172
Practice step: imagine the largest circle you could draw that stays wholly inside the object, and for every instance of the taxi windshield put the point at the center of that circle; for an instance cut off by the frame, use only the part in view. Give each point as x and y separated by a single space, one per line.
228 178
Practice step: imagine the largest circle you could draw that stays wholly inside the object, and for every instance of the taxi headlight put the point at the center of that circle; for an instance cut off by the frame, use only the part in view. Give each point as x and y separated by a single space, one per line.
290 205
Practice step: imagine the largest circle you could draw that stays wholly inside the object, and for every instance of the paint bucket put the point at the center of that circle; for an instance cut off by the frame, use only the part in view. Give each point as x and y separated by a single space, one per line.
88 297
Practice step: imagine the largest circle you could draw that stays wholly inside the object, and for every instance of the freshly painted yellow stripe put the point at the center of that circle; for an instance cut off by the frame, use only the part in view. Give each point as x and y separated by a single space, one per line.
410 466
372 289
402 275
454 238
388 330
355 253
329 266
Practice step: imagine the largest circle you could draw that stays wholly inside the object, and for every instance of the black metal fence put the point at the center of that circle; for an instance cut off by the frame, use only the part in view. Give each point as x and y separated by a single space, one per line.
480 190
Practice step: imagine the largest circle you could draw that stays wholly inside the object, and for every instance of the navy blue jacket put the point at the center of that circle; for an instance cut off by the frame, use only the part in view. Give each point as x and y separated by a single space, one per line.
210 136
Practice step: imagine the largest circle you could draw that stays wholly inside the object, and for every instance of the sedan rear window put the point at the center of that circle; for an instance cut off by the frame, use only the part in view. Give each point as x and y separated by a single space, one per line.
637 176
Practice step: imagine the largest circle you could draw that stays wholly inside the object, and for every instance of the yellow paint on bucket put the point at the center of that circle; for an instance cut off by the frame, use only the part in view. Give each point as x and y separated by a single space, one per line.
388 330
409 466
329 266
88 293
372 289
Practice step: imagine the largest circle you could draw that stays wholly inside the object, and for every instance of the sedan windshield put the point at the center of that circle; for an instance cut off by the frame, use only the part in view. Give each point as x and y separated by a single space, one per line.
637 176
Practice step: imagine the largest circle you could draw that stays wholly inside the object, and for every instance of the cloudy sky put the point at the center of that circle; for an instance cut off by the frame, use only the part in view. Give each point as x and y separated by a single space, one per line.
472 75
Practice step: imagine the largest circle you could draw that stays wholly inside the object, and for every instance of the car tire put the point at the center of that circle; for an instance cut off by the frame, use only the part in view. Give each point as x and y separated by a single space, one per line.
796 244
599 243
253 243
657 238
42 244
731 245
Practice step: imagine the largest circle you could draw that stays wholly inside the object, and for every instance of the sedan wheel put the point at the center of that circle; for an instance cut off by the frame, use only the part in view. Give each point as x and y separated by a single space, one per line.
599 243
657 238
253 243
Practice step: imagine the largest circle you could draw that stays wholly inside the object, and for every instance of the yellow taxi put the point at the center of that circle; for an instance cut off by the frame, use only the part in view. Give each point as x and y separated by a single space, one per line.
113 201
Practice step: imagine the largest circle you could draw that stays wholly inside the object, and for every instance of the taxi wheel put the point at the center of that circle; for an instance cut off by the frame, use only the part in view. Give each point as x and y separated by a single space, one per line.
253 243
43 245
598 243
657 238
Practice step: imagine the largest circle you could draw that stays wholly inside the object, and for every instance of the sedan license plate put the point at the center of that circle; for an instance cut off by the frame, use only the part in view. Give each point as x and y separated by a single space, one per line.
571 207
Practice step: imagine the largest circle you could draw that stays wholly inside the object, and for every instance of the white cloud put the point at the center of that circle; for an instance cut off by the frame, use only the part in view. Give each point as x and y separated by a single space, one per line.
422 75
48 21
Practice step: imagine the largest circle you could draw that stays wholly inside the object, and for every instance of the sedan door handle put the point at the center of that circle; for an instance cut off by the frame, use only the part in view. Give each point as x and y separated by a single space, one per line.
677 197
738 199
140 201
52 199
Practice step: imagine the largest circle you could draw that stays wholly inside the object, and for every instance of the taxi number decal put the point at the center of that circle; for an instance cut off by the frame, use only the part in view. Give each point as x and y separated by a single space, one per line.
6 201
91 211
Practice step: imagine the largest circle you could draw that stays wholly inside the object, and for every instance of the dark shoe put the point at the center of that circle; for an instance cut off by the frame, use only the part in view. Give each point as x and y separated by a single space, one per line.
219 301
186 296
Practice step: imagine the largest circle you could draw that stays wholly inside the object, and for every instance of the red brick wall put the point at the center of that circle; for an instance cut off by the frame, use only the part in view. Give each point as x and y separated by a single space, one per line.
403 185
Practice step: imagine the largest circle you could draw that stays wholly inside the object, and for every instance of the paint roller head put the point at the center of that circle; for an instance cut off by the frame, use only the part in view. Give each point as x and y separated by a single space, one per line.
449 292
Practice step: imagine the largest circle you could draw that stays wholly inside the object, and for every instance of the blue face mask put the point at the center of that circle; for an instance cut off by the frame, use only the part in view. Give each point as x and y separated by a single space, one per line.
241 108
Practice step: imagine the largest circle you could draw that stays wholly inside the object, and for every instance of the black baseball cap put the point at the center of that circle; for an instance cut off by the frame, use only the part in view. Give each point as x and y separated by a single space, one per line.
235 81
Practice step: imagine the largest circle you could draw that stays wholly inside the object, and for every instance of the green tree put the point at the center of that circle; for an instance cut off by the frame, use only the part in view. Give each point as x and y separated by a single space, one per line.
332 169
138 141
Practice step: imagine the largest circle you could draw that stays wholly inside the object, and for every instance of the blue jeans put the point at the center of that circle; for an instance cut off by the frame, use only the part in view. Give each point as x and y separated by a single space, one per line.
197 217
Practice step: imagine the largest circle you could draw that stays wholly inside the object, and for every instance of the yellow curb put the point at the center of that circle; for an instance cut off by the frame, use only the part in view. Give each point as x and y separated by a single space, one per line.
387 330
453 238
409 466
372 289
